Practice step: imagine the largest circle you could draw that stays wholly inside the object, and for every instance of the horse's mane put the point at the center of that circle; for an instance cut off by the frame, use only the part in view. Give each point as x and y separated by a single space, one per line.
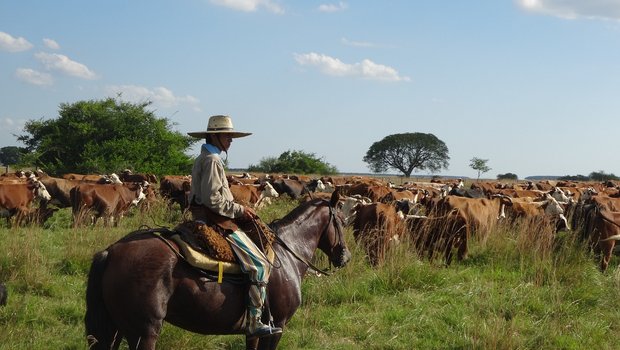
295 213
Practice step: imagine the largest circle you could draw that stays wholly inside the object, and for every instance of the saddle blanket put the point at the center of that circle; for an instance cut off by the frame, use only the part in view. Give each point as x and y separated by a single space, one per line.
205 262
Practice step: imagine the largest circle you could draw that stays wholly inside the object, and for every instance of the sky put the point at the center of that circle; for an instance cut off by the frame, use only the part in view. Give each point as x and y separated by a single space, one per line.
532 86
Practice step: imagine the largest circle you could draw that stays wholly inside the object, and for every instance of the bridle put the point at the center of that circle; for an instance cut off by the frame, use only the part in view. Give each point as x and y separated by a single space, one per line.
332 217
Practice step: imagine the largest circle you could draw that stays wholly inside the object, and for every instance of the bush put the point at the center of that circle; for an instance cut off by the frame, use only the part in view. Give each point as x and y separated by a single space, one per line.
294 162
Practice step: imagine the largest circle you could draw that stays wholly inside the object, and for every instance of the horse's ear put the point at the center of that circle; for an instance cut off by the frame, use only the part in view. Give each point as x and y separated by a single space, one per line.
334 200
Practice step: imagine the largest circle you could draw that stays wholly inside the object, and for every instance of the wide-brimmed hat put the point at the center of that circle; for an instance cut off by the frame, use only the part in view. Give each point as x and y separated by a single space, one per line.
219 124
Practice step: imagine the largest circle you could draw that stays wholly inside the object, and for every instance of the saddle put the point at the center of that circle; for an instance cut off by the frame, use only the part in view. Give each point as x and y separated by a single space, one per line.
204 245
207 240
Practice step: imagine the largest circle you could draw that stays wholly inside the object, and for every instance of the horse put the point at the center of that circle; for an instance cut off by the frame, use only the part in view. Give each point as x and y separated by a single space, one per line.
139 282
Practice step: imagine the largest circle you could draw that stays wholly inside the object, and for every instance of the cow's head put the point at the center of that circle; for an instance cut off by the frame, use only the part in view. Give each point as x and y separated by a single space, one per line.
559 195
115 179
403 207
554 209
39 190
350 205
445 190
588 194
269 191
140 195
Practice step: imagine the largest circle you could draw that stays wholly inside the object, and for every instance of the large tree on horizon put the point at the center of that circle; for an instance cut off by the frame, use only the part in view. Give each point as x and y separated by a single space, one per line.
103 136
408 152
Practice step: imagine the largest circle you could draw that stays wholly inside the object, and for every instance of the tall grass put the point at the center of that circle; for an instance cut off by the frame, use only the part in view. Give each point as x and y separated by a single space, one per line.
522 287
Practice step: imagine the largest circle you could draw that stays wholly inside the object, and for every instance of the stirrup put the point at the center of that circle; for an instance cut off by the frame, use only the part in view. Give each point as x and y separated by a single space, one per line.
263 330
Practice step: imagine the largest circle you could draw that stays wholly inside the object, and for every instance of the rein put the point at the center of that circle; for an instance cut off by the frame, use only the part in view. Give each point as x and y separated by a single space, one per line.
305 261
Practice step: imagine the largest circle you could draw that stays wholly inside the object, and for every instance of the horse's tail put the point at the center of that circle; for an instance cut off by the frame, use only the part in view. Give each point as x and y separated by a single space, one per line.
100 329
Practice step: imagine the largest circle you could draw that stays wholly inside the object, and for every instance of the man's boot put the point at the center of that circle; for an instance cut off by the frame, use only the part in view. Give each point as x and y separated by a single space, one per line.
255 327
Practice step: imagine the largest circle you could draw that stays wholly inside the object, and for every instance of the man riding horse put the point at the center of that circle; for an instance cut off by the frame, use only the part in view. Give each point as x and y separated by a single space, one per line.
211 197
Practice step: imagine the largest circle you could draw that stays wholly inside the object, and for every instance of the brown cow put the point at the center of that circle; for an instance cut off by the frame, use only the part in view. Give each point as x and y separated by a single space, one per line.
373 190
293 188
127 176
606 232
439 234
451 221
107 201
548 209
19 174
521 193
85 178
587 214
59 189
395 195
175 189
253 196
480 214
374 226
245 178
244 194
16 199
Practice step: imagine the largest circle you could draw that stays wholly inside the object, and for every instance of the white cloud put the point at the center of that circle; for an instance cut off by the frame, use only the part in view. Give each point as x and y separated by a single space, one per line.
341 6
160 96
250 5
11 44
573 9
64 64
51 44
366 69
34 77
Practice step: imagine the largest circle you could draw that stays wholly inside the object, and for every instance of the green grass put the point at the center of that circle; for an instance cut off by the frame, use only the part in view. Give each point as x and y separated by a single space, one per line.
519 289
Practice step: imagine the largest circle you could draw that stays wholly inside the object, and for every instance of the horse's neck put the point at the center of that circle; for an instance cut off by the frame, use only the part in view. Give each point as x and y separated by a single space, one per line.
301 236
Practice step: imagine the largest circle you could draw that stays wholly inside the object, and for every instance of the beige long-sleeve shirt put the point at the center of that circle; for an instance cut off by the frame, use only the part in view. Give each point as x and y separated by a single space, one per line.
210 187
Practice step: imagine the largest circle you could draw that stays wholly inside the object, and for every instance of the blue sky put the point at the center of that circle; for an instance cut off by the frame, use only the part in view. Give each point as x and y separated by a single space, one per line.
530 85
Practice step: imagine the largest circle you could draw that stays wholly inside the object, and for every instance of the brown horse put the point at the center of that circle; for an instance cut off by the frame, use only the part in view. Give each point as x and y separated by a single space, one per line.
139 282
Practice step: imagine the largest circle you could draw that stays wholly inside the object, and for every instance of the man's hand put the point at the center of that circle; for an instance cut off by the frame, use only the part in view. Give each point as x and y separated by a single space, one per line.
249 213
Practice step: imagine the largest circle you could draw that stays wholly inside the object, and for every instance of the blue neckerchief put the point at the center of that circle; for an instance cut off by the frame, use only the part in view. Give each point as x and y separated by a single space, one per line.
211 148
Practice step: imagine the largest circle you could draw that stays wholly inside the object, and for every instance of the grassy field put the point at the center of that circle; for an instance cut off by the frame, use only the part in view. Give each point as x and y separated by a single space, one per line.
518 290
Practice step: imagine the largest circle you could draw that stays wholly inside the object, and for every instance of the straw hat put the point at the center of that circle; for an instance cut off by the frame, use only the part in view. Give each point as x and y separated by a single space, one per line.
219 124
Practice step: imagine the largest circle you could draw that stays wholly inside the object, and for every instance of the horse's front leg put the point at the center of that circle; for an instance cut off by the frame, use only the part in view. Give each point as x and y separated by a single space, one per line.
146 341
251 343
269 343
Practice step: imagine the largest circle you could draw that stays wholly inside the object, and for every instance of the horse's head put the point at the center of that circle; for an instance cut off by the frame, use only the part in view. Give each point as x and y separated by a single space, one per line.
332 240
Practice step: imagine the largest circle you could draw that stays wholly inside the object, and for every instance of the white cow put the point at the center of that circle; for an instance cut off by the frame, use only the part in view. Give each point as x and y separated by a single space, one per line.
266 194
349 206
115 179
560 195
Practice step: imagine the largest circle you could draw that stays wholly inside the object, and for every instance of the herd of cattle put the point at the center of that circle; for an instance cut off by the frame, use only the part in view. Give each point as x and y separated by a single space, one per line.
436 217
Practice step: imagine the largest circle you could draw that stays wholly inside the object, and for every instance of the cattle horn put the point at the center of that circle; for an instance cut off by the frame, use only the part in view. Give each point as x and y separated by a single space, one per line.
614 237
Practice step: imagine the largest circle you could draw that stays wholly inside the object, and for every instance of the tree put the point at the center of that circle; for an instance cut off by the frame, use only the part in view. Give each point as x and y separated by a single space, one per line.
407 152
480 165
507 176
11 155
602 176
106 136
294 162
